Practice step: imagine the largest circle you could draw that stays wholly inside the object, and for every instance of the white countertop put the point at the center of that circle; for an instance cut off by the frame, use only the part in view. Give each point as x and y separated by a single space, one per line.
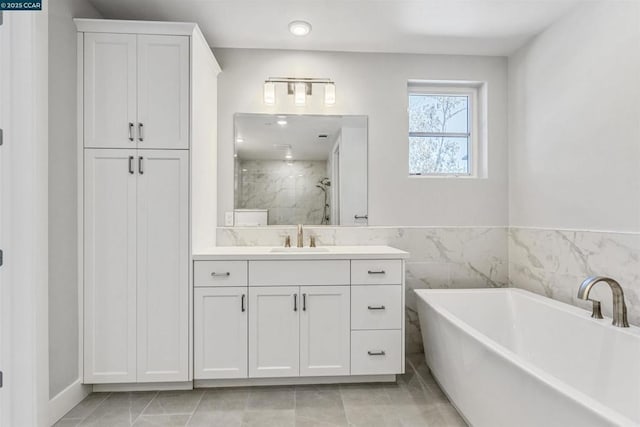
280 253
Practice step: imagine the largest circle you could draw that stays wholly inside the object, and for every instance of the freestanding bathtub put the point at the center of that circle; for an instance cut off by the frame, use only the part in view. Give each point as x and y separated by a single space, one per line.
508 357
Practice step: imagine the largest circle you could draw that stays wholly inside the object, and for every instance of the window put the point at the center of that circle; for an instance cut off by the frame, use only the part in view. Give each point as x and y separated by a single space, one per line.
442 140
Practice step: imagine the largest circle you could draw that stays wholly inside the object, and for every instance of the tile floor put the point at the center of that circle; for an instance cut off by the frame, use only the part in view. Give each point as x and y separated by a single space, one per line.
415 400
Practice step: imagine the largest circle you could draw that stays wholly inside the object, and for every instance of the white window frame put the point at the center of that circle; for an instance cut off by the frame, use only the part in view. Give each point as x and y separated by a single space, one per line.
467 89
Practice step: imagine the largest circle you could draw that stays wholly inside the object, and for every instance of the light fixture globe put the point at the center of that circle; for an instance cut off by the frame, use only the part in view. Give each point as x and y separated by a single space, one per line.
299 28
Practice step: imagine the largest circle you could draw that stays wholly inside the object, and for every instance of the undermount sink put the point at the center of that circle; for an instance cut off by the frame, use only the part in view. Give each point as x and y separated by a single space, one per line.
294 250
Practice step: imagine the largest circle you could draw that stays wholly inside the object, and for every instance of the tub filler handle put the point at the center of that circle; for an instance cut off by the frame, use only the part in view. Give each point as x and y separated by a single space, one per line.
596 312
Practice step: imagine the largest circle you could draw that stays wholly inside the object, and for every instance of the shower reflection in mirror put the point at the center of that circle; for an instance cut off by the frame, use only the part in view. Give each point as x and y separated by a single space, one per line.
300 169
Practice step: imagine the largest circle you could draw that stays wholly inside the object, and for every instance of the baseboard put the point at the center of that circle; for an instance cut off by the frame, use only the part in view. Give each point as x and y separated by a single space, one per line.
64 401
185 385
245 382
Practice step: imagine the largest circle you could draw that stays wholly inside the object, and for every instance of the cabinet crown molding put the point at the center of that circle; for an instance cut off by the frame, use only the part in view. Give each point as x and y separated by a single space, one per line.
116 26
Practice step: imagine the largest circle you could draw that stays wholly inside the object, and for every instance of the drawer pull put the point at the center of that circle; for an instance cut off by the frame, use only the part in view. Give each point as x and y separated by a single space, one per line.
214 274
376 353
376 272
376 307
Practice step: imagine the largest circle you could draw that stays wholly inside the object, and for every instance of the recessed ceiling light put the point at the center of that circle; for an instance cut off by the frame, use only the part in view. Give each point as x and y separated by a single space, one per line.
282 122
288 157
299 28
239 140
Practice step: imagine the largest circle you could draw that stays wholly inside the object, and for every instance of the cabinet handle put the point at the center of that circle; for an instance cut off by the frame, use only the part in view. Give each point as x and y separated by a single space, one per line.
375 307
295 302
140 126
304 302
376 353
361 217
140 165
131 165
131 131
242 303
214 274
376 272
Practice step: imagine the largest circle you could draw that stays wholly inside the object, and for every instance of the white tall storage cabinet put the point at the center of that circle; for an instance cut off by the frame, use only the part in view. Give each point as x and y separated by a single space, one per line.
147 96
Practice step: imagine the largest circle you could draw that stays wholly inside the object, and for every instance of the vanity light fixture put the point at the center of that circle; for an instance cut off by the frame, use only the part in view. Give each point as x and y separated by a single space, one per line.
269 93
299 28
300 88
330 93
299 93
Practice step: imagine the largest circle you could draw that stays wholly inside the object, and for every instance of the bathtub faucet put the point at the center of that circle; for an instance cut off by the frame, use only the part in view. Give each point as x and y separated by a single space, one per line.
619 307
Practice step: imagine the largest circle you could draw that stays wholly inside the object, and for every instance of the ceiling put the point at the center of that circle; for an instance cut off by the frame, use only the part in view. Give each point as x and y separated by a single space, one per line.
262 138
478 27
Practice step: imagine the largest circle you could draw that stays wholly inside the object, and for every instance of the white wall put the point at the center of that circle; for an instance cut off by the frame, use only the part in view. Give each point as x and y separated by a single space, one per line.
23 218
63 255
575 122
375 85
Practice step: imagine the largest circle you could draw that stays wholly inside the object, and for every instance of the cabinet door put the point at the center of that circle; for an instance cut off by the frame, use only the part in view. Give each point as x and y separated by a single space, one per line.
109 266
109 90
325 330
163 265
220 332
274 331
163 91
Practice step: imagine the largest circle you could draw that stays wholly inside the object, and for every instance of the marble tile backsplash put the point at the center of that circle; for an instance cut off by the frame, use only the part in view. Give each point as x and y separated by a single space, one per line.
554 263
452 257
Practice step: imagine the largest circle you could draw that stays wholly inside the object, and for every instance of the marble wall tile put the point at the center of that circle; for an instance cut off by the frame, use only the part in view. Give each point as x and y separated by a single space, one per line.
554 263
452 257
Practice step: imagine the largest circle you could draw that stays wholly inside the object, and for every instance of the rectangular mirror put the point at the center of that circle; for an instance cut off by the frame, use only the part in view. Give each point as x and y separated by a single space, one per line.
300 169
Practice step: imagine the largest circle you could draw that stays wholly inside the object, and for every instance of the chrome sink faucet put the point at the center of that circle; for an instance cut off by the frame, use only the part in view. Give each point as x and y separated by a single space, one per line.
300 236
619 307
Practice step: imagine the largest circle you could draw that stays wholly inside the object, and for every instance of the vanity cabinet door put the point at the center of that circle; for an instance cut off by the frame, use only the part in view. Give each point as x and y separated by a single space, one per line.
220 332
274 331
325 330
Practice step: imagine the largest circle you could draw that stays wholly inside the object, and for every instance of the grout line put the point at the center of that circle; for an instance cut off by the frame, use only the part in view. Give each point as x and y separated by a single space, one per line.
196 408
94 409
421 381
143 409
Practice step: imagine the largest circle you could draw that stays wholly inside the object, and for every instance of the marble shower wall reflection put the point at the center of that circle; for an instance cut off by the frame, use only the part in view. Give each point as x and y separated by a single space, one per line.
455 257
286 188
554 263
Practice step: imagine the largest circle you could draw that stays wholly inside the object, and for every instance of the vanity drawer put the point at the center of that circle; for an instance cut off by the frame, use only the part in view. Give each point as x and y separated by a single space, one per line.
376 352
376 307
298 273
220 273
376 272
